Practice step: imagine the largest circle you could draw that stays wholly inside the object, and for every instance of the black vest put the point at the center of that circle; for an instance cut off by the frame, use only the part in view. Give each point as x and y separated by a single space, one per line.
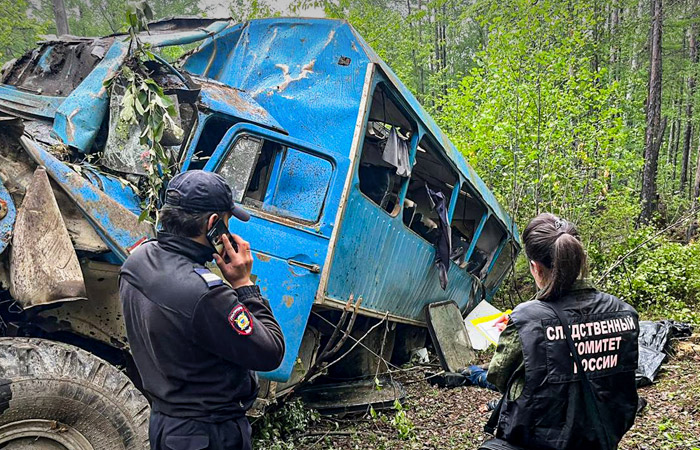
551 412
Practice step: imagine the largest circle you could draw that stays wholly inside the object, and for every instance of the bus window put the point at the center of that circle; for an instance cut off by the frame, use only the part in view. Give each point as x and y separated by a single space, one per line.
214 129
431 171
302 176
468 213
486 245
268 176
384 162
501 266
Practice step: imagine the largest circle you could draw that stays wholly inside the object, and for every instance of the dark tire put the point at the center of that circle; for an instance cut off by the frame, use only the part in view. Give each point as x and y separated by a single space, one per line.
54 396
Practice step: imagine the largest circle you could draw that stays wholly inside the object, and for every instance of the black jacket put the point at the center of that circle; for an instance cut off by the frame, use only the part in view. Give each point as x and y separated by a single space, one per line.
551 413
195 341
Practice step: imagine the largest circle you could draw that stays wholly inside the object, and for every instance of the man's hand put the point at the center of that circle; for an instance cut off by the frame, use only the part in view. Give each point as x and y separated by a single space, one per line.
237 265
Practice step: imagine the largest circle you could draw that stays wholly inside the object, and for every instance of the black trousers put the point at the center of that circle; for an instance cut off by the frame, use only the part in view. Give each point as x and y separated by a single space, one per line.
178 433
498 444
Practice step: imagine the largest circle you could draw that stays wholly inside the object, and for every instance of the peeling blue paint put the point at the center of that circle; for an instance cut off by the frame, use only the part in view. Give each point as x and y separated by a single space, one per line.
25 104
7 222
116 225
80 116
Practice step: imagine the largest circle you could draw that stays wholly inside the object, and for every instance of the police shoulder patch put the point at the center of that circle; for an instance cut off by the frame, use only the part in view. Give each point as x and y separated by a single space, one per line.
241 320
210 278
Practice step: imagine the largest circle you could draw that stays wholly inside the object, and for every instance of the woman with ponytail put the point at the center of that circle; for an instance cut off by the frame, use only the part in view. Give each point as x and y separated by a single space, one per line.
566 360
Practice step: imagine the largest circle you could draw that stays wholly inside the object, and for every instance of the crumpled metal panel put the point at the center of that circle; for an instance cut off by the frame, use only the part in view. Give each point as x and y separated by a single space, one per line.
292 68
115 188
24 104
80 116
43 265
234 102
116 225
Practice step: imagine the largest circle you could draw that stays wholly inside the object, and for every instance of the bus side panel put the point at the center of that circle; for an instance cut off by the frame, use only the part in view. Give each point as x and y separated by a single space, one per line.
388 265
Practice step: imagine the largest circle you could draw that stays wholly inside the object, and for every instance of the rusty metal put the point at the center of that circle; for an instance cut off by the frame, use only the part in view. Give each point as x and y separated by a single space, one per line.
118 227
100 317
44 267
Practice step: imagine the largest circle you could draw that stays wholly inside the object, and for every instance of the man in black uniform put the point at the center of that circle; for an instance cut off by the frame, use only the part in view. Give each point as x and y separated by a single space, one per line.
196 341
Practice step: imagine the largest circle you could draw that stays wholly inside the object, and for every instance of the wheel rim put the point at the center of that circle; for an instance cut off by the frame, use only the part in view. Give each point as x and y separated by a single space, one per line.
41 434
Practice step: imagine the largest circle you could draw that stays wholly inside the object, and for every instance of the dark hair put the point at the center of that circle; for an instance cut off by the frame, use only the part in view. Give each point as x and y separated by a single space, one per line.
183 223
555 243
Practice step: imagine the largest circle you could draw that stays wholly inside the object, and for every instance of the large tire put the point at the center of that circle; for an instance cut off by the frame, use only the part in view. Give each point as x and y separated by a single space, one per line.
54 396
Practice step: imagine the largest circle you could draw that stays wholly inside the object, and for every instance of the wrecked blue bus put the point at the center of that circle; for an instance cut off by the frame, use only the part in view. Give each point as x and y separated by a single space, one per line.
362 210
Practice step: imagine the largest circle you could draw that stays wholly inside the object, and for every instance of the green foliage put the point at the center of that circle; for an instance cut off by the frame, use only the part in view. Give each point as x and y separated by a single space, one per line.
18 30
404 33
145 108
101 17
662 279
271 430
402 423
399 421
242 10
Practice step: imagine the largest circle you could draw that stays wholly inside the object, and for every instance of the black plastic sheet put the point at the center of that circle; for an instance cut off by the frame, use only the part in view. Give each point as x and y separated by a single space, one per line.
654 346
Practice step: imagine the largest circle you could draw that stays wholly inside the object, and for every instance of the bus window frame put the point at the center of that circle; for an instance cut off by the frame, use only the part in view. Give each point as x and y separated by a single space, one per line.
241 129
389 91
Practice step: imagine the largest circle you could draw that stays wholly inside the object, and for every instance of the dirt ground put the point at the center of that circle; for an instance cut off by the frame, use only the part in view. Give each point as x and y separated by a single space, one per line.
434 418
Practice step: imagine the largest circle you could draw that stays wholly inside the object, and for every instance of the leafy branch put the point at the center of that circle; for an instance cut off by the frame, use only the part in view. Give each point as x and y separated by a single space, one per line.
145 107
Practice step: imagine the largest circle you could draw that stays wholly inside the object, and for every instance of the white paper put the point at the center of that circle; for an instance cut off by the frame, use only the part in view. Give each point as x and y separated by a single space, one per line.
483 309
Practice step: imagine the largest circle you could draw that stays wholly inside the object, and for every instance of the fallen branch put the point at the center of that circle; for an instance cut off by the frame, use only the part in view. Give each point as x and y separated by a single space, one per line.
372 352
622 259
331 346
386 316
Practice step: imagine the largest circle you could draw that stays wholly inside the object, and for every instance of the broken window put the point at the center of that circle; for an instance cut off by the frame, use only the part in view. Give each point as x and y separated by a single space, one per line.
468 213
431 171
214 130
488 242
268 176
504 262
384 162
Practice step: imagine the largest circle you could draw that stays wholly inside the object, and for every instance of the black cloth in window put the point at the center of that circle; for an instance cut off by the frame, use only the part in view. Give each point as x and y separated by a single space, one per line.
443 242
396 153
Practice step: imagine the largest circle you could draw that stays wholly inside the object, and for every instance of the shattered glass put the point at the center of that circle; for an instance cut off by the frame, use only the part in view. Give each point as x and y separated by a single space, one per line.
238 166
123 151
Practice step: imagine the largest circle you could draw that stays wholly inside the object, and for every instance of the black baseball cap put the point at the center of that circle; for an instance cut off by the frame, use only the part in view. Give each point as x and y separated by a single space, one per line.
197 190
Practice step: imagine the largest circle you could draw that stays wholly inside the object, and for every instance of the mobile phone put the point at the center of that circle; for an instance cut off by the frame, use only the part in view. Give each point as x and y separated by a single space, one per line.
214 236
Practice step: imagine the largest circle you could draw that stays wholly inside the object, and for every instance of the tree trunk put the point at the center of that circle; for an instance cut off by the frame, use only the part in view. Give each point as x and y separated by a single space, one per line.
677 138
420 45
696 193
59 10
685 158
654 129
614 45
671 138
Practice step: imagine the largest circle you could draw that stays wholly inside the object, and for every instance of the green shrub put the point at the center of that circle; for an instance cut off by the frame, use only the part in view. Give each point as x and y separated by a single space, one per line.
271 430
662 280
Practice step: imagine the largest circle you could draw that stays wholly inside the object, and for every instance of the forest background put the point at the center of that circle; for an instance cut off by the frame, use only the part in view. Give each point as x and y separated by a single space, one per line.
587 109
